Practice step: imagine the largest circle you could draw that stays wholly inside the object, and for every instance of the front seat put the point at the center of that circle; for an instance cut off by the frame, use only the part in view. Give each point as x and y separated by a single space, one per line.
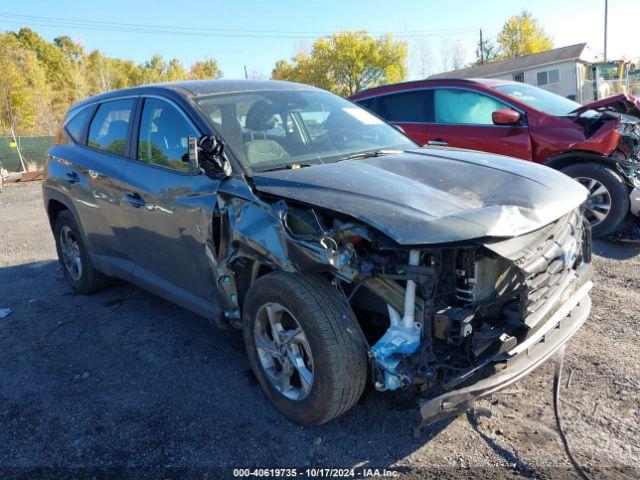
261 118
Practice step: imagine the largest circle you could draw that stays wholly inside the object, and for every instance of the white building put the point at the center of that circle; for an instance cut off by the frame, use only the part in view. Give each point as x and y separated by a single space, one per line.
562 71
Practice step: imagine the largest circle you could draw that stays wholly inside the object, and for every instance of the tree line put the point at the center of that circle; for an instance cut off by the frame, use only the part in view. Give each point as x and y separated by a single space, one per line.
41 79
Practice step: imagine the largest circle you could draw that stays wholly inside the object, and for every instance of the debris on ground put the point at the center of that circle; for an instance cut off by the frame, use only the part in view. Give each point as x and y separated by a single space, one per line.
630 236
4 312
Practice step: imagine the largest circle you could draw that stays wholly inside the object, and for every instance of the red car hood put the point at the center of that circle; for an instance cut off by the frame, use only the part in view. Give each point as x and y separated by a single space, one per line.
620 103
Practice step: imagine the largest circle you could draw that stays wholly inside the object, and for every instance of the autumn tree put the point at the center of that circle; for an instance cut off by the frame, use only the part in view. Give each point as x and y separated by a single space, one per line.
205 69
41 79
346 63
521 35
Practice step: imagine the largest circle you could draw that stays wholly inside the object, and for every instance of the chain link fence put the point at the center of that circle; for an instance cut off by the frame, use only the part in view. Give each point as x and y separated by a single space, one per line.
33 150
592 90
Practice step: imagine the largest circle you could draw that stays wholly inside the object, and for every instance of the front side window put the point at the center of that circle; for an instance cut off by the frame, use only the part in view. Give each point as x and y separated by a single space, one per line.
402 107
464 107
108 130
163 135
282 128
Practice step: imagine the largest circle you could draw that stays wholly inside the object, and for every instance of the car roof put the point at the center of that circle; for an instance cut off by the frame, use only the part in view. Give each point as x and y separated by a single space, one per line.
190 88
486 82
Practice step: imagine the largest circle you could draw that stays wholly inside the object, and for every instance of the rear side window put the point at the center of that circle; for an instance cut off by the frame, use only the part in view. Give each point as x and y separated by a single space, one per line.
402 107
366 103
163 135
108 130
464 107
76 126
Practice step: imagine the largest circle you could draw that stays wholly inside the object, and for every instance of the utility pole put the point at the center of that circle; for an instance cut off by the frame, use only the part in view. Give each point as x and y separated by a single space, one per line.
481 48
606 14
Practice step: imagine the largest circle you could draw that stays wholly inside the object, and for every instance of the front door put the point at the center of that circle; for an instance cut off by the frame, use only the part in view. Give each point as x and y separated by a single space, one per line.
462 119
169 208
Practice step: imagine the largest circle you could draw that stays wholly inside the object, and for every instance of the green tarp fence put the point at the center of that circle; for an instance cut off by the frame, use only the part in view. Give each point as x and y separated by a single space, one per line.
33 151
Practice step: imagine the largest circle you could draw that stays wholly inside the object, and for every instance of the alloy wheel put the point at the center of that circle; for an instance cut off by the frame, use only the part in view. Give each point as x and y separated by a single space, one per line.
70 253
598 203
284 351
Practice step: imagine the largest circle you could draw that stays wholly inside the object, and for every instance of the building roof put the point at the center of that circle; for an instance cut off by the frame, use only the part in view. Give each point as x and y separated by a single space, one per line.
557 55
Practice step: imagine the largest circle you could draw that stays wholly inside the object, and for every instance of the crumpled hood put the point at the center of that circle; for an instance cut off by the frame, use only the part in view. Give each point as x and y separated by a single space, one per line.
620 103
428 196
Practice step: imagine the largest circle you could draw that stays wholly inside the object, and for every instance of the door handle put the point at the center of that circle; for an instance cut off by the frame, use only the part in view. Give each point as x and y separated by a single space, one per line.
134 199
439 142
72 177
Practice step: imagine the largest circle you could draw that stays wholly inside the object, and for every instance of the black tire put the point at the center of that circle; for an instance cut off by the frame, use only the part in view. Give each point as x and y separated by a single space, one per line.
337 344
618 193
90 280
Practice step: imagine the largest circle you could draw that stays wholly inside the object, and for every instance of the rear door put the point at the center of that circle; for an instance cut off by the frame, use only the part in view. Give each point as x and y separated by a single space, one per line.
167 226
462 118
406 109
102 162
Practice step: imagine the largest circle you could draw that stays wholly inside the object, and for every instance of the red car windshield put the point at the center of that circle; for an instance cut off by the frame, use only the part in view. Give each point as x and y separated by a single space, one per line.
539 99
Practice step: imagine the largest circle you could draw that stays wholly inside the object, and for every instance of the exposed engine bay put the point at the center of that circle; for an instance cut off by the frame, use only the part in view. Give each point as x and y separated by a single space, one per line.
435 318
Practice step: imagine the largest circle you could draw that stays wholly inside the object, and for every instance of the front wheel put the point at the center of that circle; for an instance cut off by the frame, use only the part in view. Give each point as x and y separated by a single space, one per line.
305 346
608 201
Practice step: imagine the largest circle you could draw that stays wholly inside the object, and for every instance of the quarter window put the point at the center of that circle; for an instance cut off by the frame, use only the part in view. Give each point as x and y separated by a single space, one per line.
108 130
75 127
465 107
163 135
402 107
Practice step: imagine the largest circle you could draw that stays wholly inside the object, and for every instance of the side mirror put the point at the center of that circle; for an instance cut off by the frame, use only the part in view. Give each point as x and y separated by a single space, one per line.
399 128
208 152
505 117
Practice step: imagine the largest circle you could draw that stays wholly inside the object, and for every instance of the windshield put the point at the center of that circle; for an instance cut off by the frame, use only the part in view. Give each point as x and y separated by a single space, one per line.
539 99
289 128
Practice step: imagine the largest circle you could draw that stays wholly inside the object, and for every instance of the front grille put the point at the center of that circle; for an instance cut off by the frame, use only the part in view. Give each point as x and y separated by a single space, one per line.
549 269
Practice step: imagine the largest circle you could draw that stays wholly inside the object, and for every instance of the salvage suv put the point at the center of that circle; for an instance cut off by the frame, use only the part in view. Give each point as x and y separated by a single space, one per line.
342 250
597 144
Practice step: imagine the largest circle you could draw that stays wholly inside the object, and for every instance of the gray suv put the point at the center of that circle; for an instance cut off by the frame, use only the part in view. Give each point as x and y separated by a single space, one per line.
344 252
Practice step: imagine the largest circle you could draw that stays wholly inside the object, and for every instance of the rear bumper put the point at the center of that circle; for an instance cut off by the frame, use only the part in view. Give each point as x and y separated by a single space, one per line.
520 361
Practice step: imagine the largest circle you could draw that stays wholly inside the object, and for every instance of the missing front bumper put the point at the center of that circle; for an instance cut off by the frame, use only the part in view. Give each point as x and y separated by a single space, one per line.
523 359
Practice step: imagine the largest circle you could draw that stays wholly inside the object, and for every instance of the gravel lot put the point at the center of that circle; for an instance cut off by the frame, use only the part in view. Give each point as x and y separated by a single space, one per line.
123 381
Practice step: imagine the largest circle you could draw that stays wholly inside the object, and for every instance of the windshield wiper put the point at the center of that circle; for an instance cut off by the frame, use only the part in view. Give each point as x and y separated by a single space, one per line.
290 166
375 153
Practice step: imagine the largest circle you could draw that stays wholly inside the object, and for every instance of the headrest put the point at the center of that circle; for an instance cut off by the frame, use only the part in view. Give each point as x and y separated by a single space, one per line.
261 116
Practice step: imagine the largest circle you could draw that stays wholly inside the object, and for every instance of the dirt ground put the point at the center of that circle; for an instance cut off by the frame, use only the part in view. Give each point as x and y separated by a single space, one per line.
124 384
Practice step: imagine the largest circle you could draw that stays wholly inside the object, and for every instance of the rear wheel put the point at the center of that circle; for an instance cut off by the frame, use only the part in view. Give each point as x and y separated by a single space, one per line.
305 346
608 201
74 258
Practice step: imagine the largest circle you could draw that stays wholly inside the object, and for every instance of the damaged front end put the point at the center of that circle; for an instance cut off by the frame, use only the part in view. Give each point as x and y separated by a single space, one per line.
627 153
452 321
628 159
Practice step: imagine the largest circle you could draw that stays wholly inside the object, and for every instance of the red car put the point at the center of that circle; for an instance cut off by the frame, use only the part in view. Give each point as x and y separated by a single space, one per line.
597 144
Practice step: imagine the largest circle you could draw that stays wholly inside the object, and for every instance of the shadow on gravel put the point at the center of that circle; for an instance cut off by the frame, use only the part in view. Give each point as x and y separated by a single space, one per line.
508 456
125 379
616 251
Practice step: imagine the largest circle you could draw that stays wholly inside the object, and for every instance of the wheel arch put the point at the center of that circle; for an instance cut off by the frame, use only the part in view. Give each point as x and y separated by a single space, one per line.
579 156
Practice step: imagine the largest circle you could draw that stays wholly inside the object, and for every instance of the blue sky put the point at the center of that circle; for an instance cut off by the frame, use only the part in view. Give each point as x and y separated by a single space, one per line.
430 27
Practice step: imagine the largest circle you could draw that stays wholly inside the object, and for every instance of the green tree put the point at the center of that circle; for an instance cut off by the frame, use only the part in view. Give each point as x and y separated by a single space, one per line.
205 69
41 79
347 62
521 35
490 52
